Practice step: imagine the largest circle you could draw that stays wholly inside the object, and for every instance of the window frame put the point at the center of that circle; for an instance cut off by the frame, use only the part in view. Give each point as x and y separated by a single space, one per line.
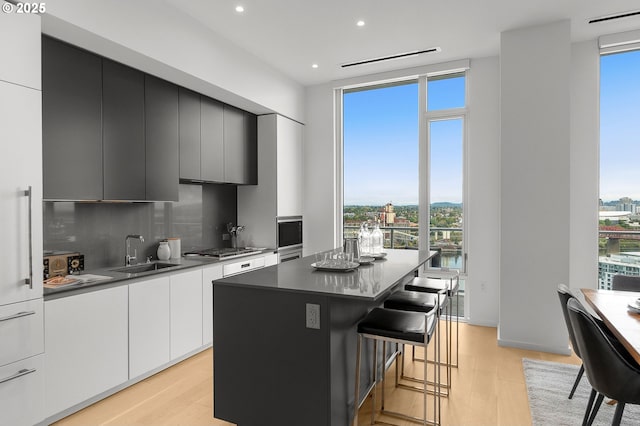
440 71
424 202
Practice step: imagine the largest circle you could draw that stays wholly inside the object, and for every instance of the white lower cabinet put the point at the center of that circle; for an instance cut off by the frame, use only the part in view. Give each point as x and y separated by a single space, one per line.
99 340
209 274
186 312
86 346
21 330
243 266
271 259
149 322
21 392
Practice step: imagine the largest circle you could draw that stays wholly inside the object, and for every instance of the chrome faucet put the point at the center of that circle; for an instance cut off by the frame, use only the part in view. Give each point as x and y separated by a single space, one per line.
128 258
234 231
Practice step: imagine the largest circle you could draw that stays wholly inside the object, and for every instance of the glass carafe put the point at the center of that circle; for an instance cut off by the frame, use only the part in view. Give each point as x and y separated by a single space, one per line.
364 237
377 240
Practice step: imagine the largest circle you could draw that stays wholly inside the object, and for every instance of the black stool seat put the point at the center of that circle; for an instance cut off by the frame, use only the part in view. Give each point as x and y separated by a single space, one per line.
415 301
432 285
400 325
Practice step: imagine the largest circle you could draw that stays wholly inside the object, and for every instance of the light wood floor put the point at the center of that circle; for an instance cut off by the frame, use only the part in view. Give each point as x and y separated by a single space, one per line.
488 389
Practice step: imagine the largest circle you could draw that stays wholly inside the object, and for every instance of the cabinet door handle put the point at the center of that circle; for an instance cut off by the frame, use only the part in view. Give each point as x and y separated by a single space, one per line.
20 373
245 265
29 280
18 315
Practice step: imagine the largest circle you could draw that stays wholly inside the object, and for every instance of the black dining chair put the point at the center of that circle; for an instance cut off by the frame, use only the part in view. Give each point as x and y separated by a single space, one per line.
625 282
564 294
610 368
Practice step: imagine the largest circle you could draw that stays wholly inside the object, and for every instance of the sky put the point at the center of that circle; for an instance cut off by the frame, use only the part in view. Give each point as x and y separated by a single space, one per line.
381 138
620 126
381 144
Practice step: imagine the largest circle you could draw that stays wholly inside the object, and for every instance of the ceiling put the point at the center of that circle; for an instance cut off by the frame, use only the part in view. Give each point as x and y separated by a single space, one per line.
291 35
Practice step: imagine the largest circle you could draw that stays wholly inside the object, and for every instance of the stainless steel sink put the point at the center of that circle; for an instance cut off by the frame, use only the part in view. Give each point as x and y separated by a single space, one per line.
145 267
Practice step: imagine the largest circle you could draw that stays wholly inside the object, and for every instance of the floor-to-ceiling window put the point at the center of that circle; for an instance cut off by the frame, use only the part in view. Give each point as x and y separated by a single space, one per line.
390 132
380 161
445 115
619 210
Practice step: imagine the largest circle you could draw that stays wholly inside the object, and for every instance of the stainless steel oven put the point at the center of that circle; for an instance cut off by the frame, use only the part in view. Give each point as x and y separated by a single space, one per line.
289 232
285 255
289 237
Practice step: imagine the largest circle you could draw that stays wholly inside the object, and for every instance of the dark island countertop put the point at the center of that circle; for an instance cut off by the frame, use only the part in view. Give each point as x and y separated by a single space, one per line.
367 281
285 339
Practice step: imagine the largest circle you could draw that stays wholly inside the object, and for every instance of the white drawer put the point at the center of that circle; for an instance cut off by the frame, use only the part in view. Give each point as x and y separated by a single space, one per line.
21 330
242 266
22 392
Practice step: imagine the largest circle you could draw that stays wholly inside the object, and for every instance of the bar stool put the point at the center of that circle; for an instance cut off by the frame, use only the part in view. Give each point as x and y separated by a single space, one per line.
414 301
409 328
434 281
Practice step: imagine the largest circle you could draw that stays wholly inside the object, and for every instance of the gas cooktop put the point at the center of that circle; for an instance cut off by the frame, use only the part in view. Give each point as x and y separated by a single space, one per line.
221 253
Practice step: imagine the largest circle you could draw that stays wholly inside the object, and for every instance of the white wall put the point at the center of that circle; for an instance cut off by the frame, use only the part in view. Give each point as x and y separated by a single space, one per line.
161 40
535 77
319 170
584 165
482 284
553 177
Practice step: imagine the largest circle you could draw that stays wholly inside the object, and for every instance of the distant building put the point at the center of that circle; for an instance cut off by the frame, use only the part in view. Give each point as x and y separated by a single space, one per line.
614 216
627 263
402 221
387 215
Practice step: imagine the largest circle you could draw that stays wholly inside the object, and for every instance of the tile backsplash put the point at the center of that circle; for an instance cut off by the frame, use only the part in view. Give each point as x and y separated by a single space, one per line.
98 229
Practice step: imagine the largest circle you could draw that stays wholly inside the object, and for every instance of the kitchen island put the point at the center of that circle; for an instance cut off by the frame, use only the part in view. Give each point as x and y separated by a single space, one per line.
285 339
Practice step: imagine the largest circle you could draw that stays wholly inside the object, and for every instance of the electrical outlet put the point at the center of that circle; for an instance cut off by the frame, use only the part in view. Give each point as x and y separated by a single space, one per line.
225 237
483 286
313 316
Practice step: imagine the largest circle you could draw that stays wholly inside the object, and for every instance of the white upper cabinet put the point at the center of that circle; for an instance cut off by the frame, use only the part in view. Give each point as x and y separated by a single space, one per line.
21 130
21 213
289 167
20 48
279 189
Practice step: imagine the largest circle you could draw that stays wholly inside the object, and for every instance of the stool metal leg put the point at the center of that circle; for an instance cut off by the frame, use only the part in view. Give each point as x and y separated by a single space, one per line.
438 364
437 419
375 380
356 402
431 332
450 359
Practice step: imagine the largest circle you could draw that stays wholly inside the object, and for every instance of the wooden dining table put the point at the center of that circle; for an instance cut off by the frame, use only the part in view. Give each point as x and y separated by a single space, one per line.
611 306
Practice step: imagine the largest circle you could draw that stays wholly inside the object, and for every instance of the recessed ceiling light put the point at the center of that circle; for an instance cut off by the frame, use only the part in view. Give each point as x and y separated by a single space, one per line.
239 9
314 66
360 23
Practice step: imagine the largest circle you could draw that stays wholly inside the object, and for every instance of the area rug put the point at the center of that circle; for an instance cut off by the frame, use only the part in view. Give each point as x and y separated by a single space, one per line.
548 387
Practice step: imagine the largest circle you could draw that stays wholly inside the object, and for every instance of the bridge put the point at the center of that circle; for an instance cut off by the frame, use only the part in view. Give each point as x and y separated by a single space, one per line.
614 234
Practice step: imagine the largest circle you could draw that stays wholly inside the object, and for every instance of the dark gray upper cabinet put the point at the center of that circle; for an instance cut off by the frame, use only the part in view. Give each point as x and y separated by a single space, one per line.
123 132
239 146
161 135
189 111
111 132
251 138
71 122
212 142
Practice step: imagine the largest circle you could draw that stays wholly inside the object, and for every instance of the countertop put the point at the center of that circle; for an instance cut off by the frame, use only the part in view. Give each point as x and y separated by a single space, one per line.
116 278
367 281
